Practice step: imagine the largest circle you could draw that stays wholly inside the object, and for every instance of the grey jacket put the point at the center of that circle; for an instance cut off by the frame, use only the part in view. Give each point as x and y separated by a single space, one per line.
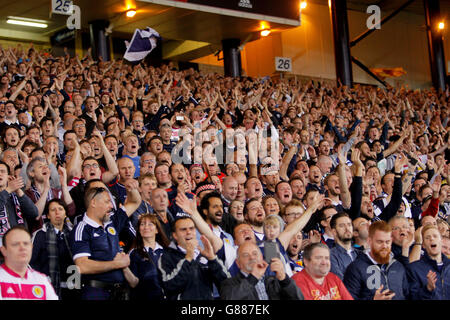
340 259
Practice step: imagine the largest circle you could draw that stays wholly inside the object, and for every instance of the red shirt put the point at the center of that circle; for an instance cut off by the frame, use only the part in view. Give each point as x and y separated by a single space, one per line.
331 289
432 209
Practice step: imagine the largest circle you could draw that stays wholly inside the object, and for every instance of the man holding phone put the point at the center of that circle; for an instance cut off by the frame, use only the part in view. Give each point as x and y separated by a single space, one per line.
257 279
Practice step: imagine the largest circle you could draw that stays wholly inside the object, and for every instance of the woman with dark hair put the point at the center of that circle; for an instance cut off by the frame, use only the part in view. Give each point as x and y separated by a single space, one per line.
51 250
142 274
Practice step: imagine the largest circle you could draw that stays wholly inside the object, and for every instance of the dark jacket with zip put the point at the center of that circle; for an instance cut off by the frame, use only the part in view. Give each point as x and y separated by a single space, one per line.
189 280
417 275
363 277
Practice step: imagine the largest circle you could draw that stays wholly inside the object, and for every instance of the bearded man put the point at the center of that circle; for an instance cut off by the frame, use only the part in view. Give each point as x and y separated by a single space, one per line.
376 274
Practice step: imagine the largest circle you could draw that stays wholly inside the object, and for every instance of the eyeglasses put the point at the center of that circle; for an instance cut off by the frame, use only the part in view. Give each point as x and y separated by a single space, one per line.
89 166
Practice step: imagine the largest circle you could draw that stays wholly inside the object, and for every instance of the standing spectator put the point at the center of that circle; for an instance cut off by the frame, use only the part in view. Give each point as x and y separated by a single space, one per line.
342 254
387 276
15 205
51 250
360 233
188 272
17 279
142 274
102 269
430 276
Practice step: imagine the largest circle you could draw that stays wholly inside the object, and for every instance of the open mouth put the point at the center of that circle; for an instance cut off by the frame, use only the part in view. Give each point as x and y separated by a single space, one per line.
433 246
92 174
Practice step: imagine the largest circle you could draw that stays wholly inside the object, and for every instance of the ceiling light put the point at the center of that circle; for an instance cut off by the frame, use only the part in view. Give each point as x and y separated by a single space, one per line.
303 5
27 22
265 32
131 13
441 25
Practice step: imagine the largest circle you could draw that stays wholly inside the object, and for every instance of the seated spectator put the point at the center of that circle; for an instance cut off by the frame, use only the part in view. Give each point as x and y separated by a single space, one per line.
315 280
254 282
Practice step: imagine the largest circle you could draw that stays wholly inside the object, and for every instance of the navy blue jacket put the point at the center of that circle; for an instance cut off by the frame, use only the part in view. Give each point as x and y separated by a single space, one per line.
362 275
417 275
189 280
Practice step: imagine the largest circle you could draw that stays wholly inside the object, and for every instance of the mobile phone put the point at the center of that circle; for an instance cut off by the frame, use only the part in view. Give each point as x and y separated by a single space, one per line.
180 118
270 251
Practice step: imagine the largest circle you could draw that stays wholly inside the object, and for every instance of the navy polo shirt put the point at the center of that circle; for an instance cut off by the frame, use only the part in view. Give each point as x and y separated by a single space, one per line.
89 239
119 189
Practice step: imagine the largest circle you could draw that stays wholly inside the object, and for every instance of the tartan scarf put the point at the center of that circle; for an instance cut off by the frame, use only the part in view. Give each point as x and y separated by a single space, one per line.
53 254
4 220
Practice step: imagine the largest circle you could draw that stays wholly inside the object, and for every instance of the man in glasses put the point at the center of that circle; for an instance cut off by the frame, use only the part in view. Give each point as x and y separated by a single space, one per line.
91 170
95 243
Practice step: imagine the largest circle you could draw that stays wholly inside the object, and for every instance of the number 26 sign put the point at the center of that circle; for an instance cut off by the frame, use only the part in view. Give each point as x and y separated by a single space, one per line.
283 64
62 7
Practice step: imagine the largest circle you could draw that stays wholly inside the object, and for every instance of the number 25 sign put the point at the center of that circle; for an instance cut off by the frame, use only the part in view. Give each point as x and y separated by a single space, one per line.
62 7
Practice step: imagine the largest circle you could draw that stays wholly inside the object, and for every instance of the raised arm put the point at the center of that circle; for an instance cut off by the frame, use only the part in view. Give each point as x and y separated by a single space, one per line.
343 186
134 199
190 207
298 224
113 171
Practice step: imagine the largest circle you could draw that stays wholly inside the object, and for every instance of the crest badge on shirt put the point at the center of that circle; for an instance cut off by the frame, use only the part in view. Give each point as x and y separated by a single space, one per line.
111 230
37 292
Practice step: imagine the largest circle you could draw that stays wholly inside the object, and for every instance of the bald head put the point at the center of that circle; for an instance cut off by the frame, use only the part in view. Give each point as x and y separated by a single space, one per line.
126 168
230 188
324 163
